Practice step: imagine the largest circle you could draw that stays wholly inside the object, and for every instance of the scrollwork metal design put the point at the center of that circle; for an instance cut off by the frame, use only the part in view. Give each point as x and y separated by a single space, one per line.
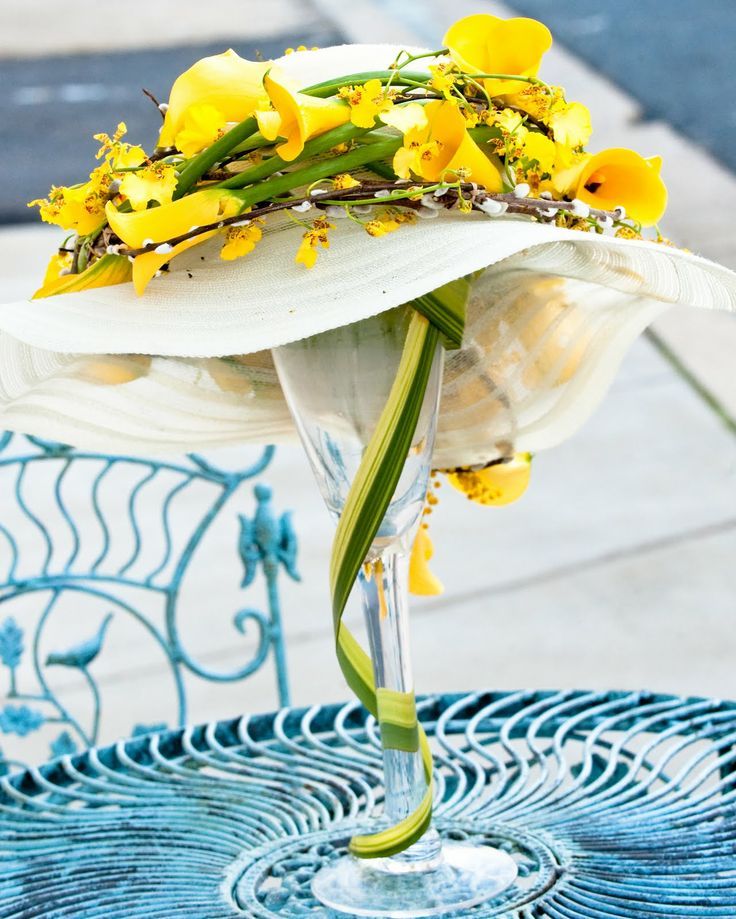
63 564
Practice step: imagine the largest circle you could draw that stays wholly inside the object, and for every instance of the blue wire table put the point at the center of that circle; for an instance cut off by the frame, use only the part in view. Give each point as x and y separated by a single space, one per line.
614 805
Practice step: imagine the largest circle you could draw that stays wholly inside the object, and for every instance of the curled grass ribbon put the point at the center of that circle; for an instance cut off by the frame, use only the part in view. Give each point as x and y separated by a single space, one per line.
366 504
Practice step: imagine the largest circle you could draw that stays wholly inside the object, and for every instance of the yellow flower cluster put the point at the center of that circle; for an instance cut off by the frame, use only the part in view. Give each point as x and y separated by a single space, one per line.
479 116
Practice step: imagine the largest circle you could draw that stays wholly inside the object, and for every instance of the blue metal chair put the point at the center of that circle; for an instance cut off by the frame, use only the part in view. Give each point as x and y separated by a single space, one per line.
114 542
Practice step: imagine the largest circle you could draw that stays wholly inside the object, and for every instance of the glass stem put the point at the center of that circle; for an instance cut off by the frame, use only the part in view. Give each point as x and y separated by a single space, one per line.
384 583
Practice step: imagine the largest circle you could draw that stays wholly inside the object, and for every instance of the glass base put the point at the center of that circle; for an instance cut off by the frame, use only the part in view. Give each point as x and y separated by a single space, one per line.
465 876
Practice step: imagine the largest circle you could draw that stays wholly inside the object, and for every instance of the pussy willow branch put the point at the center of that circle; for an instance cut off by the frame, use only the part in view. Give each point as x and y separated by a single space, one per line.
535 207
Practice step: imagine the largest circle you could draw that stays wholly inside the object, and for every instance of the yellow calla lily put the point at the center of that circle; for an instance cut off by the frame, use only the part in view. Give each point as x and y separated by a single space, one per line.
442 145
108 270
487 44
298 117
422 582
622 177
226 82
495 485
140 228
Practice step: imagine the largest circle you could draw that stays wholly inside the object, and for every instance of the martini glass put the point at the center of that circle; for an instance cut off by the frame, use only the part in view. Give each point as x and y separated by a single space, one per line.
336 384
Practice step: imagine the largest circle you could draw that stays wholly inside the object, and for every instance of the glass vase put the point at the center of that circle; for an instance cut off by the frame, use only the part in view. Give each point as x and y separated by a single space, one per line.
336 385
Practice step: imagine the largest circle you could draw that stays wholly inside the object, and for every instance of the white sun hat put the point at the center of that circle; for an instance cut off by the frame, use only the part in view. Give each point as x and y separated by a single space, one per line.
550 316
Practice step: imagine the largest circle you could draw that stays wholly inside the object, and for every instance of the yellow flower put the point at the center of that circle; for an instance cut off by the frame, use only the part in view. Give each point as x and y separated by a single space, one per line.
202 125
622 177
366 102
314 237
117 154
540 149
422 582
444 77
106 271
158 224
343 181
495 485
387 222
240 241
510 122
487 44
296 117
566 172
571 124
80 208
156 182
443 146
226 82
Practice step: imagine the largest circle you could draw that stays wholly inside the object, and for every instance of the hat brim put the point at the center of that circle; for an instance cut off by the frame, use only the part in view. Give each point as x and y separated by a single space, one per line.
547 326
550 319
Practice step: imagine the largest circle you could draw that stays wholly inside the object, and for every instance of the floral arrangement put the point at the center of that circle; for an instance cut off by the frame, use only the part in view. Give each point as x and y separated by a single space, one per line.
477 131
472 129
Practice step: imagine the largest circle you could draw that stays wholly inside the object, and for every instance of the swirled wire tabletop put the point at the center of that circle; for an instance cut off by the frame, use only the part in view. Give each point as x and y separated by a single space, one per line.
613 804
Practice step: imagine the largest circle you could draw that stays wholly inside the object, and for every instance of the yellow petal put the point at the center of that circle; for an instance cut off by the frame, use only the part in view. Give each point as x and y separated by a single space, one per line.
540 148
201 126
155 183
405 118
422 582
456 149
622 177
486 44
495 485
159 224
571 125
110 269
301 117
233 85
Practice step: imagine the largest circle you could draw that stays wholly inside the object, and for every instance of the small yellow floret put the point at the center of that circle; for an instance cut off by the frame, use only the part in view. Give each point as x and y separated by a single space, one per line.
240 241
499 484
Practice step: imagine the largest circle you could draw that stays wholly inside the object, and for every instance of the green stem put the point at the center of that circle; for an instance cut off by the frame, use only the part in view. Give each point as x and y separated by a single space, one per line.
198 165
321 144
328 87
322 169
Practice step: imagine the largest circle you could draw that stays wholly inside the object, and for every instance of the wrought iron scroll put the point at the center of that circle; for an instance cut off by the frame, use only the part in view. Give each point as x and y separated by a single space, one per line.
62 564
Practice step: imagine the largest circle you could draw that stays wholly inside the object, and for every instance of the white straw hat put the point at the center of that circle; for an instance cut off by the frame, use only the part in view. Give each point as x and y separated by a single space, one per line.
549 320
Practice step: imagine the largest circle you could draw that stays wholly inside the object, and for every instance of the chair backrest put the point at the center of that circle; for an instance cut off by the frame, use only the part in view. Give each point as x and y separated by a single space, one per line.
98 549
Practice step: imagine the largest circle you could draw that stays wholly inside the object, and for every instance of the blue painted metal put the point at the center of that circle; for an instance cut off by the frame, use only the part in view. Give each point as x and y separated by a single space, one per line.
267 544
615 805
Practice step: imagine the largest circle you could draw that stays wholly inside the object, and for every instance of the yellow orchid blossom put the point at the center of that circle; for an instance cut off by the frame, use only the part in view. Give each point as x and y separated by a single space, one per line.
240 241
106 271
315 236
570 123
226 82
387 222
116 153
443 146
422 582
499 484
486 44
297 117
367 102
621 177
158 224
79 207
156 182
540 149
